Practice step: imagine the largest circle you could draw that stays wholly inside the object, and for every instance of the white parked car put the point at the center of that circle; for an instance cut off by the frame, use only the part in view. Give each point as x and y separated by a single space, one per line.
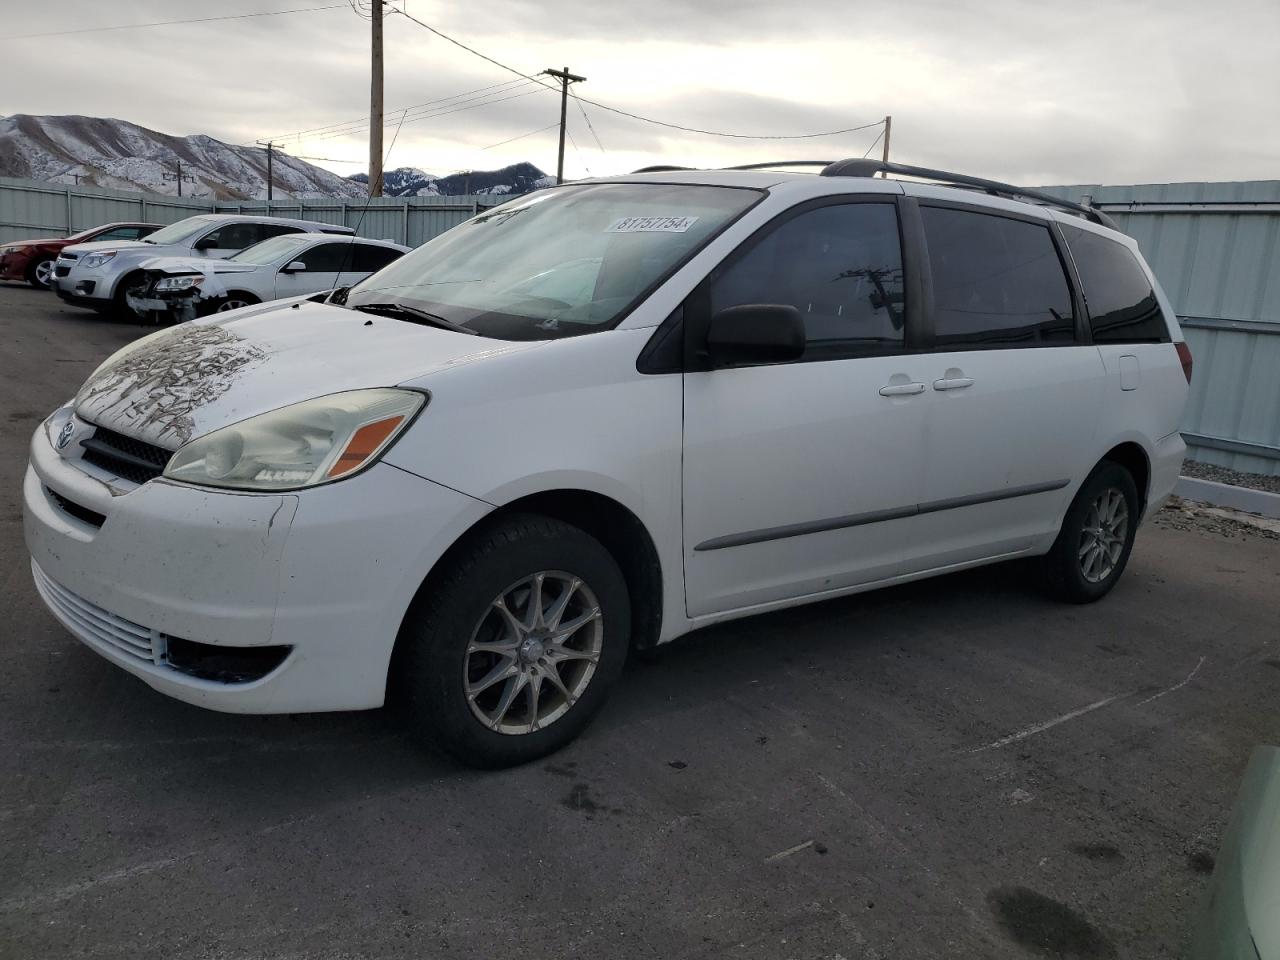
100 275
472 490
290 265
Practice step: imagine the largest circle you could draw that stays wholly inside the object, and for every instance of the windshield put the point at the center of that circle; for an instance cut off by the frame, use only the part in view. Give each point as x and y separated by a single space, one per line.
559 263
269 251
175 232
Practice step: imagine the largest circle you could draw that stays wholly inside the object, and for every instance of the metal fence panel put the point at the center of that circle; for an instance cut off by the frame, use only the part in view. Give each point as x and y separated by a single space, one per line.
1216 249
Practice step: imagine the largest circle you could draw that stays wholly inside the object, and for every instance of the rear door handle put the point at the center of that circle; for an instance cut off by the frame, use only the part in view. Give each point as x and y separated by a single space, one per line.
902 389
955 383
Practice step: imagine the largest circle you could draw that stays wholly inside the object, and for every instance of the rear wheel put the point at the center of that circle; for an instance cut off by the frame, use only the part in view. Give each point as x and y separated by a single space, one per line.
508 655
40 273
1096 538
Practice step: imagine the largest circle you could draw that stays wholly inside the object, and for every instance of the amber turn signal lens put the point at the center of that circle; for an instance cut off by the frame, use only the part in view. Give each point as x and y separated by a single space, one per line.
365 442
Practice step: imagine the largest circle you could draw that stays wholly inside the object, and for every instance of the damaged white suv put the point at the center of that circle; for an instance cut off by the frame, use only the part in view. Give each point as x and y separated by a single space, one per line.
596 418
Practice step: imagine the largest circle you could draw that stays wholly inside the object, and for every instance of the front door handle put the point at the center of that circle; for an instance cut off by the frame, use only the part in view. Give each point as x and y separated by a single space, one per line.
902 389
953 383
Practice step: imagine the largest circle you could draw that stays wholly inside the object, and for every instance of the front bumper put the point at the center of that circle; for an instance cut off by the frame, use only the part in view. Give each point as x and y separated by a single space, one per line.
327 572
81 285
13 267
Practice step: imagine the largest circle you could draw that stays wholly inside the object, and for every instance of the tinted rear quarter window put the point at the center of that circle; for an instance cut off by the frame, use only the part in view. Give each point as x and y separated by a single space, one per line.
368 258
997 282
1122 306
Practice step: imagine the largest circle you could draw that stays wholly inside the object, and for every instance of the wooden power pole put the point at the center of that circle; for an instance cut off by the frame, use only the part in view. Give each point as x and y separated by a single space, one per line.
375 104
888 129
270 177
565 78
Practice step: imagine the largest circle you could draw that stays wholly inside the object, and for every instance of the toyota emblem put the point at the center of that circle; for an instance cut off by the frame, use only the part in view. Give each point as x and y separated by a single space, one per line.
64 435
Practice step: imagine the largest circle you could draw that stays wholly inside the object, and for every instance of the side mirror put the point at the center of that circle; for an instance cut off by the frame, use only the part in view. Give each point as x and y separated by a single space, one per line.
205 243
755 333
296 267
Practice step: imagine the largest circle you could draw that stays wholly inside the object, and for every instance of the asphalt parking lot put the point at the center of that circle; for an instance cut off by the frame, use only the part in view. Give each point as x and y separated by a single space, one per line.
955 768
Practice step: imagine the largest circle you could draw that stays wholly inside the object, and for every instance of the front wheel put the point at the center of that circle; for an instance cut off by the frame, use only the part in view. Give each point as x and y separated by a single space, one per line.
40 273
1096 538
508 655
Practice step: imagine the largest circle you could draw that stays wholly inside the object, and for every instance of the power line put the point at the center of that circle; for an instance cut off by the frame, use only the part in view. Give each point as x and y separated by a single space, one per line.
636 116
872 146
167 23
438 113
426 103
500 143
590 127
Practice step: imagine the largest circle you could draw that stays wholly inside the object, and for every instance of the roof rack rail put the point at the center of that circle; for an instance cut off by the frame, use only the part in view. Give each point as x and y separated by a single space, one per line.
859 167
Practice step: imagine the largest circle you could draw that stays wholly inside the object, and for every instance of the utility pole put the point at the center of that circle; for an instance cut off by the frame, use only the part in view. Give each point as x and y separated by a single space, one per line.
888 129
375 104
179 176
270 182
565 78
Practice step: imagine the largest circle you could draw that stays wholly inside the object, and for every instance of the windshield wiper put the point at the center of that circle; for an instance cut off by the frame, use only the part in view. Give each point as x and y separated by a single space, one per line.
413 315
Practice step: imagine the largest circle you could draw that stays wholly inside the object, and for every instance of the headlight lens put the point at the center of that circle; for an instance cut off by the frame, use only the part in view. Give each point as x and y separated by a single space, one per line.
172 284
97 259
309 443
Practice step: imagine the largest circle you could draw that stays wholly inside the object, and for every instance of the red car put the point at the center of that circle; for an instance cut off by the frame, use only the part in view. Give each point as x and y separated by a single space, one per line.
32 260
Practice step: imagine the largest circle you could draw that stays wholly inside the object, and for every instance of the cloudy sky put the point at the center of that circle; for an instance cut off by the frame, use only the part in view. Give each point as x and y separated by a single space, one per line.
1115 91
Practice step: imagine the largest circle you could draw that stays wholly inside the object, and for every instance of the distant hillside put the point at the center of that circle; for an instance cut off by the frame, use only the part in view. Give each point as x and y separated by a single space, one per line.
412 182
124 156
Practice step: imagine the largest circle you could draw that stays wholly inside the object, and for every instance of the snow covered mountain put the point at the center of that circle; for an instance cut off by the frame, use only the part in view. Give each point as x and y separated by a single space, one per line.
124 156
412 182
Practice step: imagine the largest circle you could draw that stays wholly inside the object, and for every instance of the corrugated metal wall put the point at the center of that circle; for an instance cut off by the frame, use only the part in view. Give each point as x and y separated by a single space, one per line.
30 208
1214 248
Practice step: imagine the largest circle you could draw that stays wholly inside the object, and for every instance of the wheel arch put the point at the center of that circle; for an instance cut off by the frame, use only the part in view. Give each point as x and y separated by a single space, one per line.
617 527
1131 455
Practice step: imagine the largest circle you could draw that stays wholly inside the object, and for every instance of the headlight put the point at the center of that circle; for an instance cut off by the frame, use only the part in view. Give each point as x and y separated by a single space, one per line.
96 259
298 446
172 284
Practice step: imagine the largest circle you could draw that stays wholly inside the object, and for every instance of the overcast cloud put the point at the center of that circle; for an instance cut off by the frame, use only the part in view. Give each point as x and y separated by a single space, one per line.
1086 92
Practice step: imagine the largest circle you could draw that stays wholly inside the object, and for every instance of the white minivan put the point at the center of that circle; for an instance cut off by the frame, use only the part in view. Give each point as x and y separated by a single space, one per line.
595 418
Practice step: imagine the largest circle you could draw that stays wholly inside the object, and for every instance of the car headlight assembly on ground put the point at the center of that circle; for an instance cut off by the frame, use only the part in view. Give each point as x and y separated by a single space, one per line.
179 284
96 259
302 445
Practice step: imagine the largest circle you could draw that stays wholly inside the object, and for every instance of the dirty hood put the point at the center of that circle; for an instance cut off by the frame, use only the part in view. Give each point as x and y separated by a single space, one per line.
185 381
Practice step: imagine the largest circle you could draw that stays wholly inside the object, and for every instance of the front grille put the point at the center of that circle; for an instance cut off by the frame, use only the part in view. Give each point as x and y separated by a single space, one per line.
98 625
91 517
134 460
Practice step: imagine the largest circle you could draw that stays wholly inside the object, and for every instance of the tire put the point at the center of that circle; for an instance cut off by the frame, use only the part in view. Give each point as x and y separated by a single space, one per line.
443 686
234 300
40 273
120 308
1083 566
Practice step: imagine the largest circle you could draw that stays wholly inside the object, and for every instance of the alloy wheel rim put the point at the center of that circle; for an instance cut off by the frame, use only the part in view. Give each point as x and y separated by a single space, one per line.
231 305
533 653
1106 528
44 273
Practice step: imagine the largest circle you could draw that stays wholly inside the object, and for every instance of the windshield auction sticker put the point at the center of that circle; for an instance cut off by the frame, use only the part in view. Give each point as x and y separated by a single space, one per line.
651 225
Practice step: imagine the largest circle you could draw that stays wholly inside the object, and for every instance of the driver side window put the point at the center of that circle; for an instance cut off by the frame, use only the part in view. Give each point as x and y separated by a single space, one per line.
840 266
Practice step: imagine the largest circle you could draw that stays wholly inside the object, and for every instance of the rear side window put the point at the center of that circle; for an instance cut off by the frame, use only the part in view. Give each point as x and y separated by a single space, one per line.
840 266
369 259
268 230
327 257
1122 306
997 282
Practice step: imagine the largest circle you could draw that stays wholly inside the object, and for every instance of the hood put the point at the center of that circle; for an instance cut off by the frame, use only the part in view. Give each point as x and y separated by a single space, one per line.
38 242
183 382
197 265
83 248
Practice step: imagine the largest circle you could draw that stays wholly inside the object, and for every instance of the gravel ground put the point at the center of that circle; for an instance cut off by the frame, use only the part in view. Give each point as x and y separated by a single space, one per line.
1209 471
1179 514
